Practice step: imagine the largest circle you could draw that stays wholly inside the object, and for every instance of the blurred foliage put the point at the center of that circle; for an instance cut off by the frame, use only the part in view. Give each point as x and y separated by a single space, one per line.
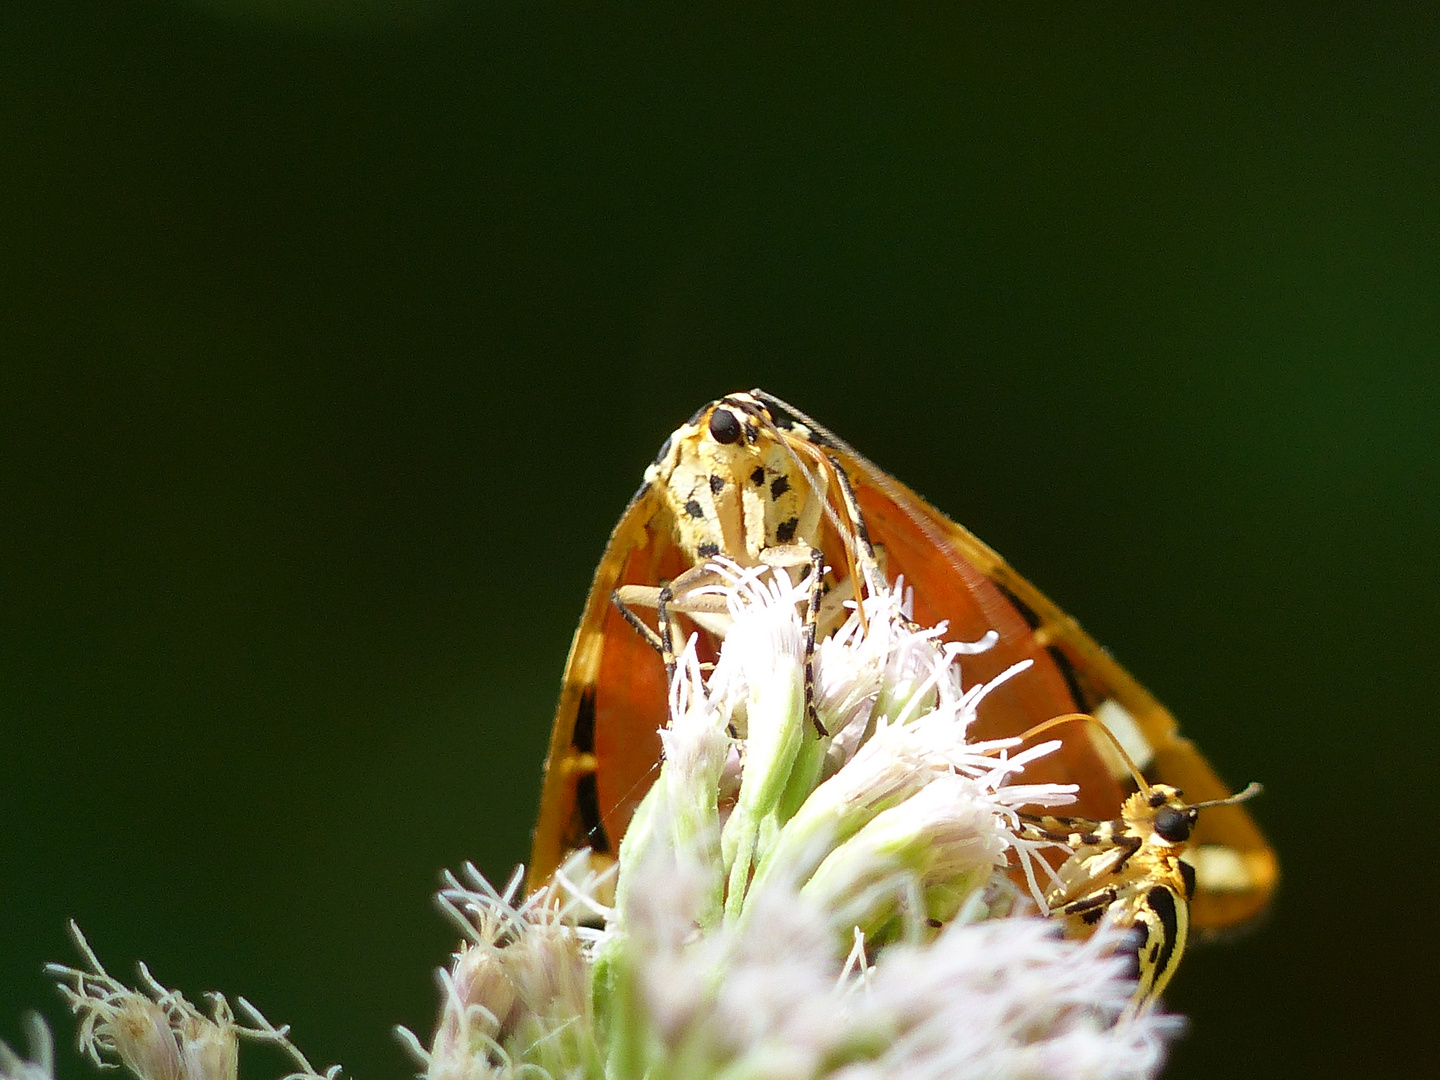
330 16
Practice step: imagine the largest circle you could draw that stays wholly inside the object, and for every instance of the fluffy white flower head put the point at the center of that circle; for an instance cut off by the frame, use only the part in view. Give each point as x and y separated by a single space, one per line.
846 908
41 1063
820 883
159 1035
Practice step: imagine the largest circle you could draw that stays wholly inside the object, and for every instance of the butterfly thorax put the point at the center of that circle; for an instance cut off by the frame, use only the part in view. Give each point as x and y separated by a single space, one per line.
1141 847
731 485
1129 872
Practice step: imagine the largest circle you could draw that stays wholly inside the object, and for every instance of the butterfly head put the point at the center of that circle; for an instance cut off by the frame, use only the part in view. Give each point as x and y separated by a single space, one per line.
734 483
1169 818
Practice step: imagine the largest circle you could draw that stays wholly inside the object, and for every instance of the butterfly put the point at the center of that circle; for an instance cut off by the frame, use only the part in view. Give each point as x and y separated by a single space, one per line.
1130 871
754 479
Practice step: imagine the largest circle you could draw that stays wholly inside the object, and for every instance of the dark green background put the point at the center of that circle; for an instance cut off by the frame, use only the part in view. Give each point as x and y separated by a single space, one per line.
333 347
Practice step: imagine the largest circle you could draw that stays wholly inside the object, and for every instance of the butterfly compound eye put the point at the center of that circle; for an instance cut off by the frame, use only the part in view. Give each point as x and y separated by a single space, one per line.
1172 825
724 426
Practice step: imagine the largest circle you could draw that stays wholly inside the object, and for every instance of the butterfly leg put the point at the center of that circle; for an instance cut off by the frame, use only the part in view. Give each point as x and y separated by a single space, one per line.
666 628
1160 925
813 559
678 595
661 639
812 620
1071 831
619 599
1090 908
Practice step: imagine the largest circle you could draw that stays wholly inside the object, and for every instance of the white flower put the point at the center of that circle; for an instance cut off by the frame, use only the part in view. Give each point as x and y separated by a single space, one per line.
753 1000
516 999
770 997
892 834
158 1034
41 1064
1009 997
799 897
917 742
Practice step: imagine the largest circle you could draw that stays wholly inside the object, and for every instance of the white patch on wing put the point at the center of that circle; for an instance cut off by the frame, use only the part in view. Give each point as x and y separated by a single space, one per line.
1220 869
1121 724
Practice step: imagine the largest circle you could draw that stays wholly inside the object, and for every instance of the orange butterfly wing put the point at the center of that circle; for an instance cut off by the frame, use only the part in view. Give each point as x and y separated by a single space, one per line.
949 587
605 744
959 578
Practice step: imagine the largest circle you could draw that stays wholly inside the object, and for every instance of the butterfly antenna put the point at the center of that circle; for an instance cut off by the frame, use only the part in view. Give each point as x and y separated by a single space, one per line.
860 536
853 534
1068 718
1251 790
848 532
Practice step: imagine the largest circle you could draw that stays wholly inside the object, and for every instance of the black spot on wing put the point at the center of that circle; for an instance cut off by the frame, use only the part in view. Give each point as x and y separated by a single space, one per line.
1026 611
758 476
694 509
583 737
779 417
1129 844
639 493
1072 680
1093 916
785 531
587 804
717 484
1099 902
708 551
779 486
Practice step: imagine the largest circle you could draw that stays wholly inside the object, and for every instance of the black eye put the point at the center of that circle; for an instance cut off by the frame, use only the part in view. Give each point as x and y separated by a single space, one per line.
1172 825
724 427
